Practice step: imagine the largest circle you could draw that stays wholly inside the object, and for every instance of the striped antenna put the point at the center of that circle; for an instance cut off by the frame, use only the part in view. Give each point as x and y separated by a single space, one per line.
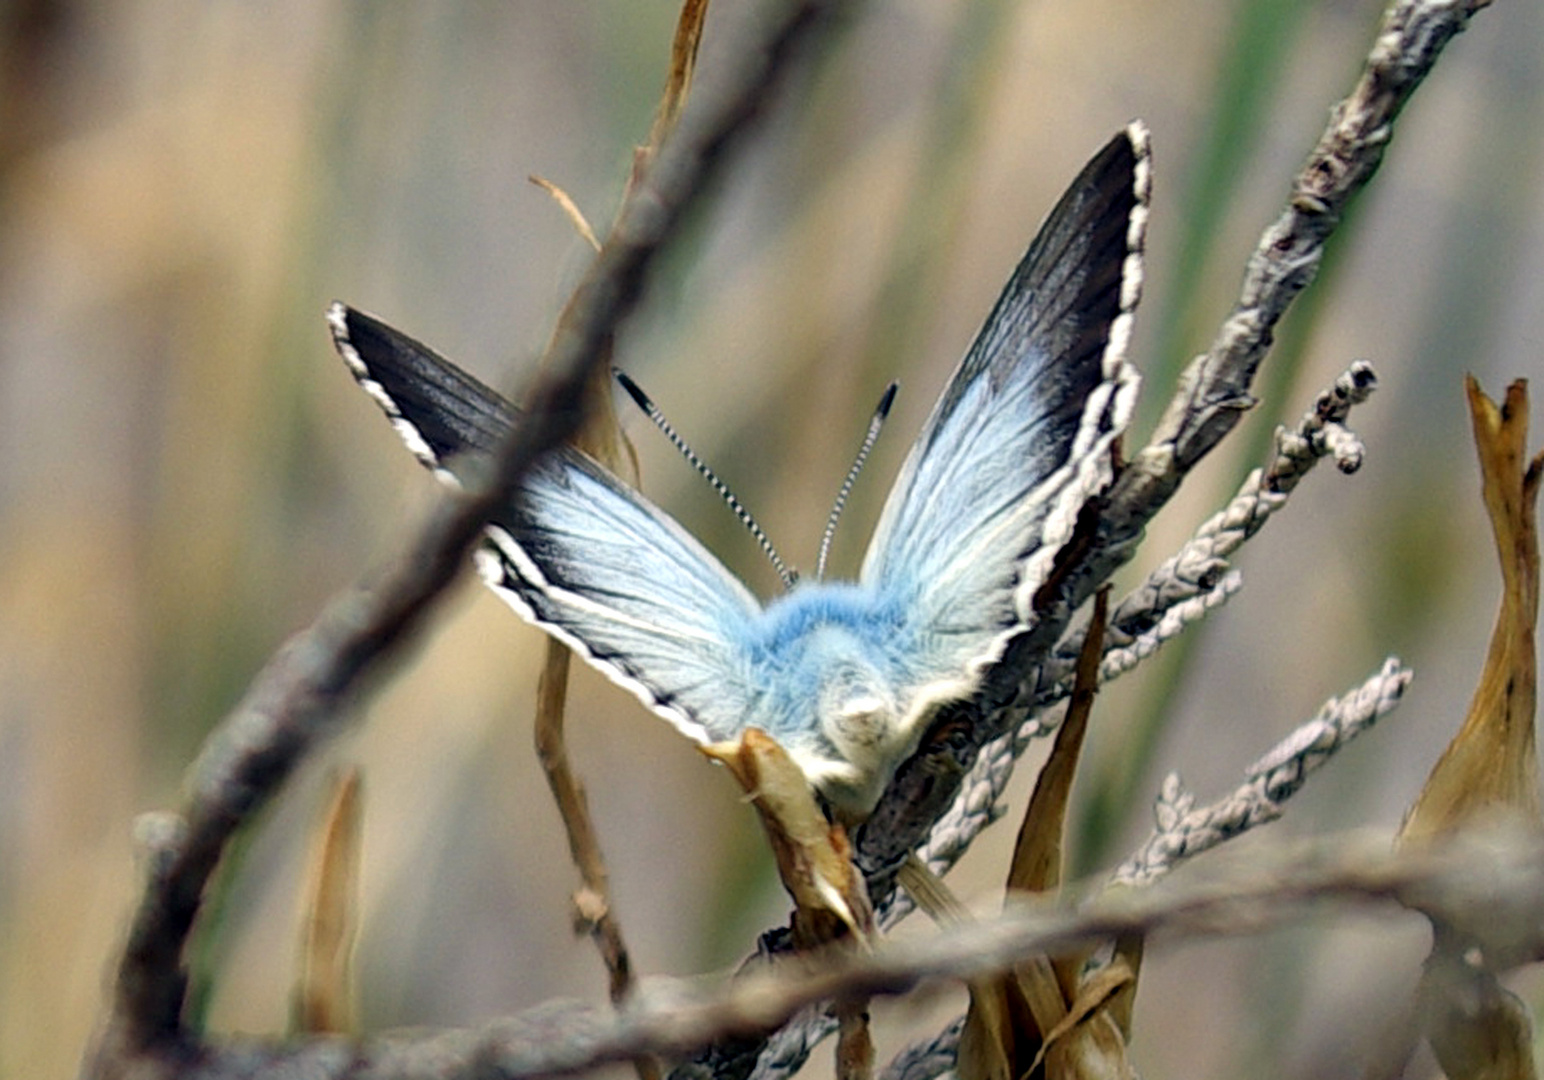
652 411
869 439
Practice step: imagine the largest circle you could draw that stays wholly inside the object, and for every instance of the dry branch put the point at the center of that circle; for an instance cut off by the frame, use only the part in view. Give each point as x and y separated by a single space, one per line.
1212 395
296 700
937 806
1493 883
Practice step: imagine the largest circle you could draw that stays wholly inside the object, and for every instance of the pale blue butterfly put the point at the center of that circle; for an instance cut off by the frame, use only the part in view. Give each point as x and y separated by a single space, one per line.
845 675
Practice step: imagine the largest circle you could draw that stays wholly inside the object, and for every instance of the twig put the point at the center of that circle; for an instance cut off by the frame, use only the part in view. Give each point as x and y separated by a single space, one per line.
592 904
1172 594
1197 578
928 1059
1493 882
1184 832
594 911
1212 395
1213 391
295 701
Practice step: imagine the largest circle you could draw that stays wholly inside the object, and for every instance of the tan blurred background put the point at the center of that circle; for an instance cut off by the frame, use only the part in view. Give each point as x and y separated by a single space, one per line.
188 470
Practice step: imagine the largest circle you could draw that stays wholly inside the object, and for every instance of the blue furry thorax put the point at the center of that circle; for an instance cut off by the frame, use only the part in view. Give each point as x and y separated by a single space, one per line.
832 609
816 645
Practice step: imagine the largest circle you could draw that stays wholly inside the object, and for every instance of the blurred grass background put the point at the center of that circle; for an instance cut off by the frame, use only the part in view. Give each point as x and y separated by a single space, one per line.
189 471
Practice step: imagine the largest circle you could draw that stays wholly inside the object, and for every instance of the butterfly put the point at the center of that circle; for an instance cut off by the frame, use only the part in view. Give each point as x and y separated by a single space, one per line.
845 675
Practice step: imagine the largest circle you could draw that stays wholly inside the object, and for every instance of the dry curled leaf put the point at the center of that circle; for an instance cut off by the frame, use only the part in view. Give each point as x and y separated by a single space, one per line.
814 857
1477 1029
1491 766
1046 1016
1089 1041
678 85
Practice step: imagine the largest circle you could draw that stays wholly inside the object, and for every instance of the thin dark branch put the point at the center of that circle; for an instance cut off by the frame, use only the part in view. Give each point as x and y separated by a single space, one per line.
594 909
295 701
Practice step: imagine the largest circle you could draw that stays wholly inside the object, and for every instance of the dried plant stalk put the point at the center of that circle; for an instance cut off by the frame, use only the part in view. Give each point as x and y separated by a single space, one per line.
324 996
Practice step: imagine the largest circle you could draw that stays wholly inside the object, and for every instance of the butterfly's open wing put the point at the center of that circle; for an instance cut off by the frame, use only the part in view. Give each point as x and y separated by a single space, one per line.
1022 437
577 552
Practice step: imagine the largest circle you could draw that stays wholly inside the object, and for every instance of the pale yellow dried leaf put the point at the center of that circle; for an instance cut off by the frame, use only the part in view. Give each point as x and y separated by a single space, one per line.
570 210
1491 766
1036 981
1037 853
814 857
683 64
1093 1049
931 893
1088 1042
323 998
986 1042
1009 1016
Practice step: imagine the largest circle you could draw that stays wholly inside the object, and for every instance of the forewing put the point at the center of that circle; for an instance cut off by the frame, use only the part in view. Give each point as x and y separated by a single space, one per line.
1022 437
577 552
